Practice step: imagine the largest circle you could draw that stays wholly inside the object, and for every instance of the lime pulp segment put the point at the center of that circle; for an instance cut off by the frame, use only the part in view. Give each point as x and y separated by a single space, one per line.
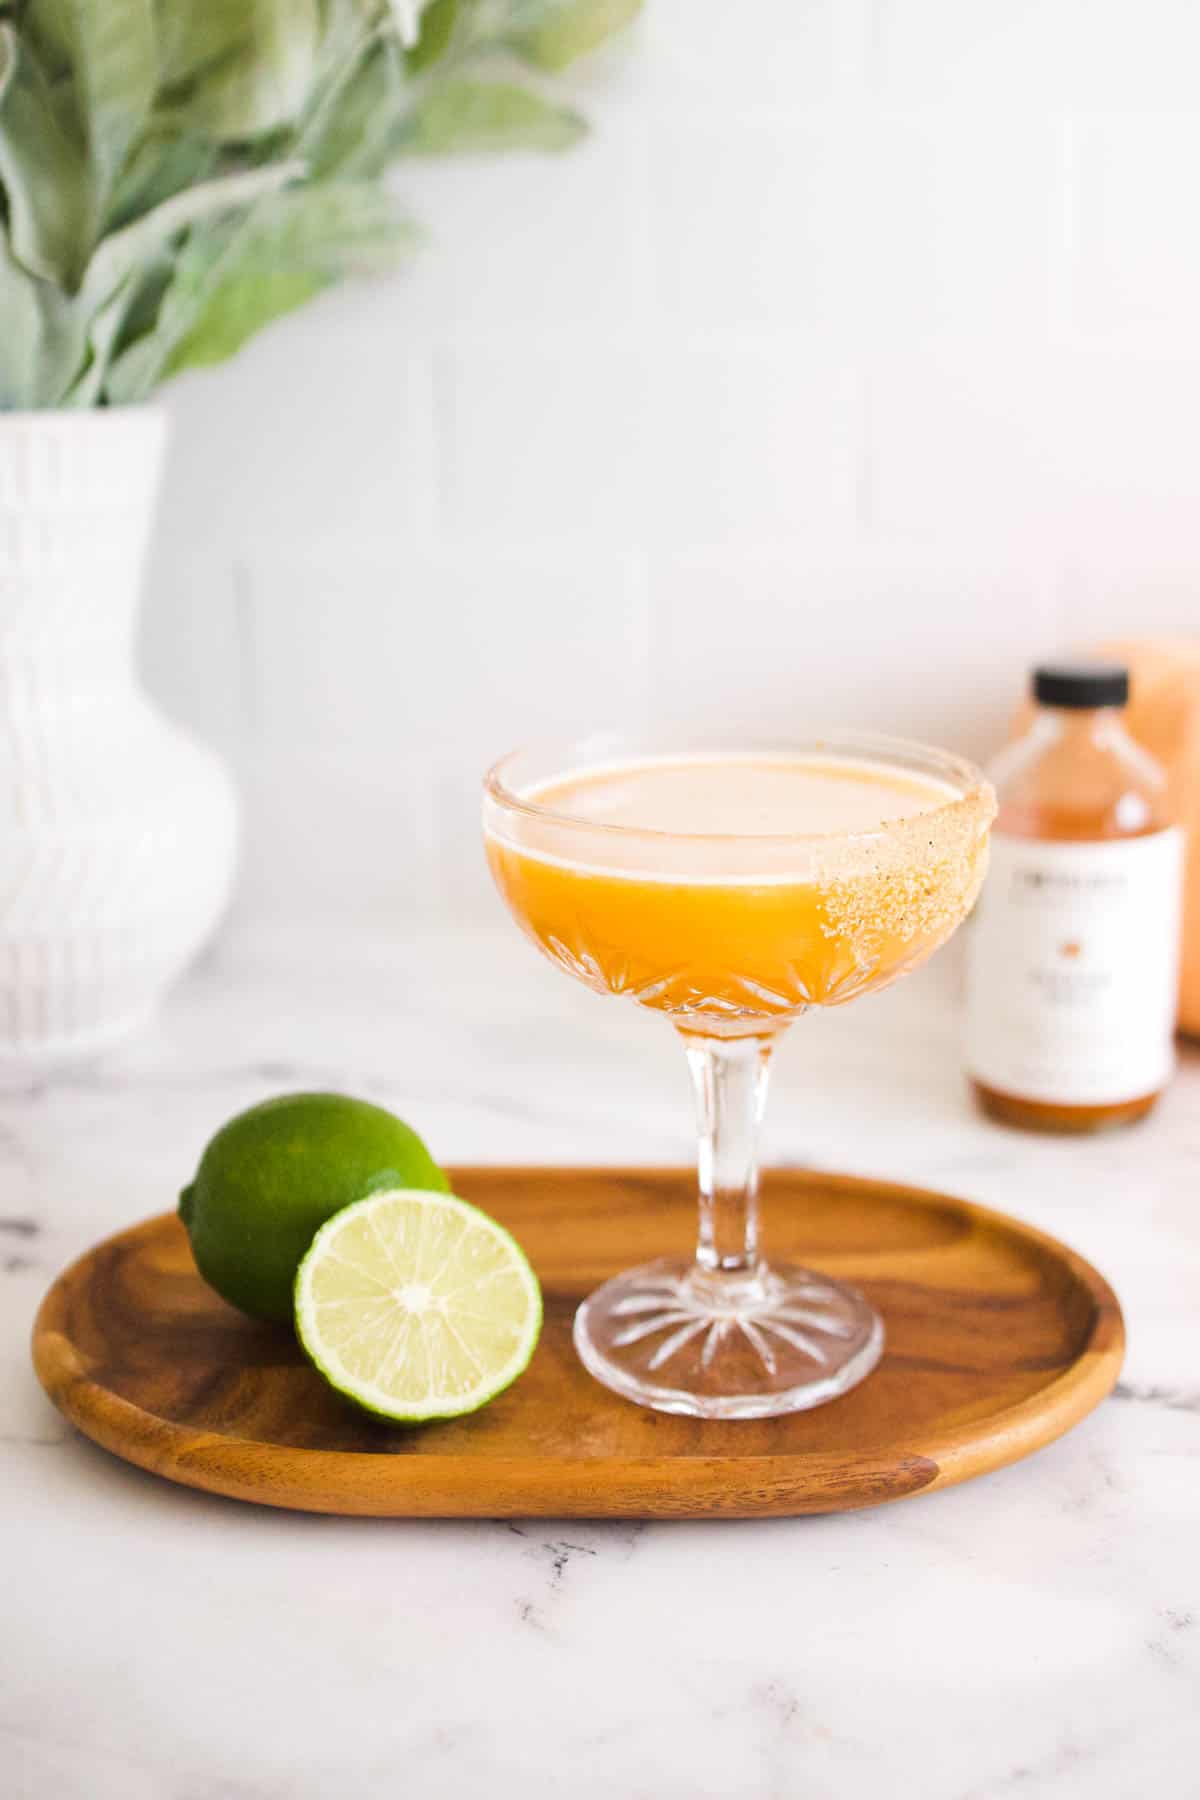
417 1305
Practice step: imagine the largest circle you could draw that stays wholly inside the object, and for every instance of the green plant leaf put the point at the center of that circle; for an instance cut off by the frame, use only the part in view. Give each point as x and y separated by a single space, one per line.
356 136
100 340
463 115
193 39
20 330
111 50
349 28
348 42
437 28
139 242
337 227
40 336
8 55
239 308
151 283
43 173
241 68
234 277
163 163
552 33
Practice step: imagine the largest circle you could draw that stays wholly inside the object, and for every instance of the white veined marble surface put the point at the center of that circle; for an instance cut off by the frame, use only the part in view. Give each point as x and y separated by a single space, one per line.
1034 1633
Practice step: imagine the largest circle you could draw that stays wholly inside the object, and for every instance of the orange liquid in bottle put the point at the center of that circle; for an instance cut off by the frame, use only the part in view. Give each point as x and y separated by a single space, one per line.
1076 778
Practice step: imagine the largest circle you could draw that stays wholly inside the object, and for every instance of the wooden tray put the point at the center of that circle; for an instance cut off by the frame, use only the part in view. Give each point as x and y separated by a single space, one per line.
999 1339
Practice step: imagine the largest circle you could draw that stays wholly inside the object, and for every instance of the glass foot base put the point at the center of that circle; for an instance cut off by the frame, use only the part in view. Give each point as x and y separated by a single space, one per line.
725 1347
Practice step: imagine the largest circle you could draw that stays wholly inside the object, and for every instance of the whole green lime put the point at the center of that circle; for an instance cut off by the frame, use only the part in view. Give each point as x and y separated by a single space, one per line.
270 1178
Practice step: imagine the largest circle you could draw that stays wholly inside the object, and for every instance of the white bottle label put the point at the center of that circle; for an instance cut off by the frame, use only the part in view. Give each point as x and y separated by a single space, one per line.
1072 965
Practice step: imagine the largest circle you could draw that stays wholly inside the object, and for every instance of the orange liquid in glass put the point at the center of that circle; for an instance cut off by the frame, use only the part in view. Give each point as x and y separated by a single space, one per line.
708 903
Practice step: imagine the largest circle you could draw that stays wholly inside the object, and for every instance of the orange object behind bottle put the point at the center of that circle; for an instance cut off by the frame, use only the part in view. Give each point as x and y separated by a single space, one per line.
1164 718
1073 956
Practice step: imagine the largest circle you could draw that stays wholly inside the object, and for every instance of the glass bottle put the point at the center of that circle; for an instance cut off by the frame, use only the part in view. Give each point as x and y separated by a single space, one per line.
1073 952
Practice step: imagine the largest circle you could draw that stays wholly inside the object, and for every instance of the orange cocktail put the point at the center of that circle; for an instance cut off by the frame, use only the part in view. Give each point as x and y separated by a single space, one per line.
729 888
741 888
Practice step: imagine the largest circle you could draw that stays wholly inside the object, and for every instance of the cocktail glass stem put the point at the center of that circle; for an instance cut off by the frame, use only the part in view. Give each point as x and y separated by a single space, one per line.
729 1079
724 1334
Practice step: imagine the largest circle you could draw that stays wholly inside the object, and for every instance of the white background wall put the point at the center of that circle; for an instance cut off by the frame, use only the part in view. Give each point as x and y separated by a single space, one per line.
852 363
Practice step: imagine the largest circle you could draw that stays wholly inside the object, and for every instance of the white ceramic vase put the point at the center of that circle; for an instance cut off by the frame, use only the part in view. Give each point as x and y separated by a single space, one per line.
117 830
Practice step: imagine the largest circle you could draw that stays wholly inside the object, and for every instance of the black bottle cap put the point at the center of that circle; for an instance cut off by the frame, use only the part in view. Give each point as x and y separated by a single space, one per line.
1081 684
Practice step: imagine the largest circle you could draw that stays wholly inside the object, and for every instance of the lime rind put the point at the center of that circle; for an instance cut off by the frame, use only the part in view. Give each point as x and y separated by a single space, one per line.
271 1177
401 1263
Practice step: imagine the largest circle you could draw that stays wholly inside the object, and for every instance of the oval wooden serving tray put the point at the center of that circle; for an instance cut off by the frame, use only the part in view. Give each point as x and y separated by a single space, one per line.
999 1339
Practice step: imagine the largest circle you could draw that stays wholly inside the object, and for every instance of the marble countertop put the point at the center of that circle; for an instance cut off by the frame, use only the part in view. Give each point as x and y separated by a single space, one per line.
1034 1633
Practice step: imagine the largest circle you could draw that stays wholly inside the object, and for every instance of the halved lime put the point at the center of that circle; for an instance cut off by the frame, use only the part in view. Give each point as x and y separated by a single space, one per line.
417 1306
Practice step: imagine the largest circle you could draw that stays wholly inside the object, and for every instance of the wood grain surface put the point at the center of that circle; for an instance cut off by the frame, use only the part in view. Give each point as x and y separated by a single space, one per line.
999 1339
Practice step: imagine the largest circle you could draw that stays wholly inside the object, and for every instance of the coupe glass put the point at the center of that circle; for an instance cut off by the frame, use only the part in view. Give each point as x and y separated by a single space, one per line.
731 936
